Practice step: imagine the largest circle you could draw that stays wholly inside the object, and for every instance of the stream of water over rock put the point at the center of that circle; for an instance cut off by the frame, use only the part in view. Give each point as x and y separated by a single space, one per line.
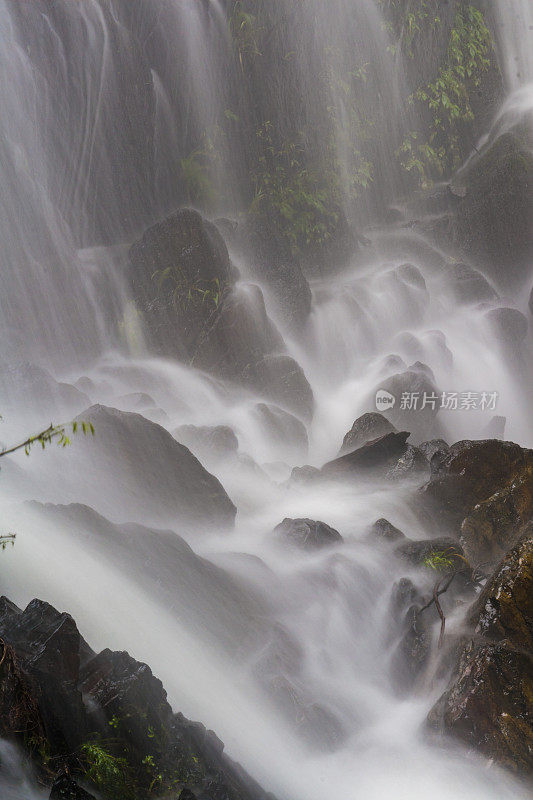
83 174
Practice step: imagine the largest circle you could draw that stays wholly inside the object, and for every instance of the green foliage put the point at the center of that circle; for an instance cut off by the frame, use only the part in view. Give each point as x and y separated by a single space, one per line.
441 561
187 293
109 773
245 29
448 99
57 433
196 173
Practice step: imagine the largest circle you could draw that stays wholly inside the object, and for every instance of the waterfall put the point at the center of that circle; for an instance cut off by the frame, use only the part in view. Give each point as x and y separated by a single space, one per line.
111 110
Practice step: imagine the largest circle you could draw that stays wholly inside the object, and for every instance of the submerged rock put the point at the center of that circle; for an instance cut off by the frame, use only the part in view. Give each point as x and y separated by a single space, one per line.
281 379
469 285
287 431
206 441
308 534
383 529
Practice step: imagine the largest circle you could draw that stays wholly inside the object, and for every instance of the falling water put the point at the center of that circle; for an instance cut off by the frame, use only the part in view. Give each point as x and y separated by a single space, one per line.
101 101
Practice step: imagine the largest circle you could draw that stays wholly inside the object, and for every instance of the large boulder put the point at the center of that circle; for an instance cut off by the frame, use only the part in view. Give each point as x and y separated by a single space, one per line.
281 379
380 454
493 218
471 472
208 441
365 429
284 430
153 477
52 669
417 401
489 701
307 534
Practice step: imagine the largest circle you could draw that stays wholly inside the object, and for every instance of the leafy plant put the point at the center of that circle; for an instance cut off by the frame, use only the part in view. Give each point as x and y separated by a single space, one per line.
442 560
107 772
57 433
448 99
186 292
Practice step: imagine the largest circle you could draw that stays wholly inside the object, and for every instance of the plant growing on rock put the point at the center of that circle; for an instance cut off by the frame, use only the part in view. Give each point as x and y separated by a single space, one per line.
107 772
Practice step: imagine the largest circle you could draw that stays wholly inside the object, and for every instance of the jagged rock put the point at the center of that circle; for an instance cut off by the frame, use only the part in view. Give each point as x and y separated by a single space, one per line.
489 701
39 692
433 446
494 524
307 534
471 472
488 704
381 453
504 609
383 529
287 431
411 464
366 429
54 668
208 441
66 788
160 479
281 379
510 324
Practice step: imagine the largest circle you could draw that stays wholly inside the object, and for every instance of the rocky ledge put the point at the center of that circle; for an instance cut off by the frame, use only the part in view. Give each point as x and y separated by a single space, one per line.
101 723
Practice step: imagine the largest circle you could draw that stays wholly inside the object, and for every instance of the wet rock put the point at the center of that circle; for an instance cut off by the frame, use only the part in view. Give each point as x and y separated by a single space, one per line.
365 429
494 524
284 429
504 609
493 220
66 788
382 454
29 388
281 379
39 690
308 534
488 704
469 285
489 701
206 441
412 464
434 446
416 552
56 668
510 324
471 472
414 648
238 333
383 529
160 478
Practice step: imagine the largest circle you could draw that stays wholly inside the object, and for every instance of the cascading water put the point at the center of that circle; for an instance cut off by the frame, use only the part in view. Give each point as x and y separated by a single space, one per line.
103 102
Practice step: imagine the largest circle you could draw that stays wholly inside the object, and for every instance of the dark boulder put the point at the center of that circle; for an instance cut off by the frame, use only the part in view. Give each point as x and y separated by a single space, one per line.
380 454
385 530
66 788
489 701
504 609
422 552
469 473
433 446
411 464
305 475
307 534
366 429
